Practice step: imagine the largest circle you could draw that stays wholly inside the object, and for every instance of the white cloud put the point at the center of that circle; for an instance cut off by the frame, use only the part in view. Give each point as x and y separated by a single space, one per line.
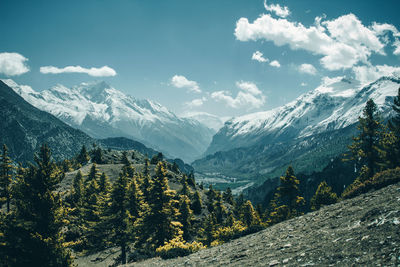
307 68
258 56
275 63
282 12
96 72
341 43
12 64
249 96
249 87
180 81
367 74
303 84
198 102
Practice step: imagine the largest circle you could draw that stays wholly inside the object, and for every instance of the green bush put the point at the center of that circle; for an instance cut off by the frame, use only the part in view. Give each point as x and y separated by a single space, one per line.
379 180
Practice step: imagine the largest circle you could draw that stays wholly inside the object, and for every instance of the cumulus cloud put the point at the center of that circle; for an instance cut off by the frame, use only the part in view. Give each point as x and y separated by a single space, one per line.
180 81
96 72
275 63
258 56
308 69
367 74
282 12
198 102
12 64
342 42
249 96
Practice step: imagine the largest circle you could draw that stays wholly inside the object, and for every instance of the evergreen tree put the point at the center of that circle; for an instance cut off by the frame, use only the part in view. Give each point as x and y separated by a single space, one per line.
286 200
191 180
97 155
250 216
209 226
219 208
93 175
159 225
34 231
365 149
197 203
185 216
185 187
394 126
6 171
227 196
125 159
78 190
83 156
119 215
323 196
136 205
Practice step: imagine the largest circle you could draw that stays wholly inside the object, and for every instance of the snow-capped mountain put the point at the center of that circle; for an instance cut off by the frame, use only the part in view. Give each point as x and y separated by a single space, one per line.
211 121
102 111
336 104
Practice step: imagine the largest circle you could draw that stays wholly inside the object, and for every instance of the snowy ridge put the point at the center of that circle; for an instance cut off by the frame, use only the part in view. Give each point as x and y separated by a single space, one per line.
337 103
103 111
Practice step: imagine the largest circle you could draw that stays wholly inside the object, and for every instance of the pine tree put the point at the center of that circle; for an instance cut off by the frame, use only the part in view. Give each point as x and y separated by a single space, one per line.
125 159
394 126
136 205
35 229
191 180
366 147
286 200
119 215
159 225
97 155
219 208
185 187
93 175
227 196
6 171
323 196
83 156
209 226
78 190
185 216
197 203
250 216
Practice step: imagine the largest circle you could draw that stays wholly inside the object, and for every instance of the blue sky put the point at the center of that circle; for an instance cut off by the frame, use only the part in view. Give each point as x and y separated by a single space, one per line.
192 55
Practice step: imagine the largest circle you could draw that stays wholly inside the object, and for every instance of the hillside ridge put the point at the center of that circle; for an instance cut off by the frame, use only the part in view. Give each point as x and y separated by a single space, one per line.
362 231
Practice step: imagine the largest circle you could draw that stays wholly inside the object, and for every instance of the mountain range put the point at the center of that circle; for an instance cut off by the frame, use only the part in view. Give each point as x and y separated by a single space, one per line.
23 128
102 111
307 132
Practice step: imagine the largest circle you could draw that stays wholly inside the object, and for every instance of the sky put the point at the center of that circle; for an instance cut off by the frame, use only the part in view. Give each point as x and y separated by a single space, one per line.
225 57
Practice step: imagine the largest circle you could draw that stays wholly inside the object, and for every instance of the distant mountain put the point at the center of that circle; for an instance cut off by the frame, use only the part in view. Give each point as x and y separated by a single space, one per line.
210 120
307 133
23 128
102 112
332 106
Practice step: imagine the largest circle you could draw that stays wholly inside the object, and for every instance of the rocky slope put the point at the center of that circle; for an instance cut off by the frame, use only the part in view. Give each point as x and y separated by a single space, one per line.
23 128
364 231
102 111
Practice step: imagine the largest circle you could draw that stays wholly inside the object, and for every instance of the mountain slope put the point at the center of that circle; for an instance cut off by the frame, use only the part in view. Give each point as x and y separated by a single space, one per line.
102 111
362 231
334 105
307 133
23 128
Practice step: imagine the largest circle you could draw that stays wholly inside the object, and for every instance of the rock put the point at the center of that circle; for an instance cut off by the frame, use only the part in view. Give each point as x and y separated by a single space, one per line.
273 263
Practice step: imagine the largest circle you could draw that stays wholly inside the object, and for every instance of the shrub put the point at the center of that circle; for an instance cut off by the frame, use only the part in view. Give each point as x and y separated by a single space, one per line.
379 180
177 247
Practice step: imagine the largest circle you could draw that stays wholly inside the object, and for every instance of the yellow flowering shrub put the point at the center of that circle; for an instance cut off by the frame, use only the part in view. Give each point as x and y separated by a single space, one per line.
178 247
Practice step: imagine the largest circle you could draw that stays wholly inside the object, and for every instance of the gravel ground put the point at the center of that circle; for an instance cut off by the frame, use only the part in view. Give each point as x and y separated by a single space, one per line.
364 231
